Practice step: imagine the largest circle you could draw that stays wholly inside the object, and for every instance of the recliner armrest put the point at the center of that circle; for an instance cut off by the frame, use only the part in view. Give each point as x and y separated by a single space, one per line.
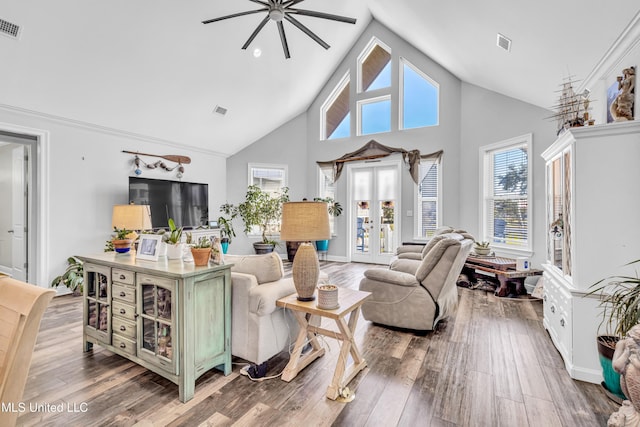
392 277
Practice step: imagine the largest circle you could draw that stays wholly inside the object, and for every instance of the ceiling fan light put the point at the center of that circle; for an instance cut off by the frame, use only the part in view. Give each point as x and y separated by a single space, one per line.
276 14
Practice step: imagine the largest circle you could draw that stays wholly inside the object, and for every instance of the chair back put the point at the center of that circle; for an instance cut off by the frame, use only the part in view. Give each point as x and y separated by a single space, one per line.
21 308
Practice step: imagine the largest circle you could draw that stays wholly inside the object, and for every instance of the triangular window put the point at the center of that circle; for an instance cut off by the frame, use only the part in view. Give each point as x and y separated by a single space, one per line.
375 67
336 115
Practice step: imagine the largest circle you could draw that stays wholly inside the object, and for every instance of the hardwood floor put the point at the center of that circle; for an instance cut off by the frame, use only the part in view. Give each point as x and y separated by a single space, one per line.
491 365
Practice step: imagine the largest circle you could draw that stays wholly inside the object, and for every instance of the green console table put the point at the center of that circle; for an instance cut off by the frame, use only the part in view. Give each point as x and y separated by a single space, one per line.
169 316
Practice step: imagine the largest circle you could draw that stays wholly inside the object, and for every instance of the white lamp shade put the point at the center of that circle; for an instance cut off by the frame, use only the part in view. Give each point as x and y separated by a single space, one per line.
305 222
131 217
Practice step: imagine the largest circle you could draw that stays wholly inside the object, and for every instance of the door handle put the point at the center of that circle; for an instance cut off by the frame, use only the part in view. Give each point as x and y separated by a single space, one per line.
10 231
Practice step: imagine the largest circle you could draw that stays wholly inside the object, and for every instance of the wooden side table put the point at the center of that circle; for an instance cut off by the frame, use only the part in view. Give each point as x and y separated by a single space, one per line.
350 302
504 270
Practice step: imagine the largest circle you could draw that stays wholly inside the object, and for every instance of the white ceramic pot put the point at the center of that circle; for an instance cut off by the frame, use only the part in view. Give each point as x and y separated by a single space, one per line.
175 251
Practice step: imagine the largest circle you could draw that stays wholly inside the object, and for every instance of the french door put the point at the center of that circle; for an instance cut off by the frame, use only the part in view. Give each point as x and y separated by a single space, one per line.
374 198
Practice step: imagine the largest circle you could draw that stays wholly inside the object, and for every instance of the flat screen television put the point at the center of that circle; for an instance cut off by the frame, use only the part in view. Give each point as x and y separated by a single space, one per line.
186 202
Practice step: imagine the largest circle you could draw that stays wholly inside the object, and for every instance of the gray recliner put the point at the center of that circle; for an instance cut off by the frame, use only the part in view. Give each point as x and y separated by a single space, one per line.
416 294
418 251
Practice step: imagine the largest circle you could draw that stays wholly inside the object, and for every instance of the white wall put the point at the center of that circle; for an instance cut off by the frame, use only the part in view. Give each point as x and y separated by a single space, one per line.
88 174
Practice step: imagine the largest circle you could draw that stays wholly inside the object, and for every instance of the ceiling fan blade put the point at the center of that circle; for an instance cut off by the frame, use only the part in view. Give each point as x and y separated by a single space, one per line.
283 39
256 31
249 12
291 3
322 15
306 30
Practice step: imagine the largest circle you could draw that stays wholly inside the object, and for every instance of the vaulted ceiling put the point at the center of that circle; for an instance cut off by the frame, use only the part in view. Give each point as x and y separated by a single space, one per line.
150 67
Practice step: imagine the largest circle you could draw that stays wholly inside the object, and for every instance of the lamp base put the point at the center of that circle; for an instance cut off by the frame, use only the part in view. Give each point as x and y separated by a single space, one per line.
305 272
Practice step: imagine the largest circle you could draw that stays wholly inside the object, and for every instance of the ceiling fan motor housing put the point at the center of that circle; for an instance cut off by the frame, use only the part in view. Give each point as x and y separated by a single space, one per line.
276 13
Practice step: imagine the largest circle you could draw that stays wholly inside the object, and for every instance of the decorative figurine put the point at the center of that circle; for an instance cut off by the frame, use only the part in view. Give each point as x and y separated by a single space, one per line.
622 107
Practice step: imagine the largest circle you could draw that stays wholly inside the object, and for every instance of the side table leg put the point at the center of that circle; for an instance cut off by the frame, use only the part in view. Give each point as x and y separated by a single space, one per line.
343 375
503 290
298 361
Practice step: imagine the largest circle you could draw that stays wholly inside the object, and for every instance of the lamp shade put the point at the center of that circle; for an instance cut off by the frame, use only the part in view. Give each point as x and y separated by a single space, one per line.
305 222
131 217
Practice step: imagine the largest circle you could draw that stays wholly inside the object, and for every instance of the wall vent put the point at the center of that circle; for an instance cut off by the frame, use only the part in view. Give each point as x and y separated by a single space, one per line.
220 110
504 42
10 30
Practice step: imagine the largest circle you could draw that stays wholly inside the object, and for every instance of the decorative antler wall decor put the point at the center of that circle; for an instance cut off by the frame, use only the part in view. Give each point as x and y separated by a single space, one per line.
180 160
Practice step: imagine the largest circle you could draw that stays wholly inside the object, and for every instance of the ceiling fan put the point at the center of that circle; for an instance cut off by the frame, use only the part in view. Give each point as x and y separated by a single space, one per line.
279 10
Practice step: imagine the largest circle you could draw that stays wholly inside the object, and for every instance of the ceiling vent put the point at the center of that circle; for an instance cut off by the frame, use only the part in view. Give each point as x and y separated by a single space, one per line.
220 110
8 29
504 42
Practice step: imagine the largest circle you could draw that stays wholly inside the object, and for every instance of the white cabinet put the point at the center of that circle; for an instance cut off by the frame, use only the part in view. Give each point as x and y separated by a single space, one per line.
593 230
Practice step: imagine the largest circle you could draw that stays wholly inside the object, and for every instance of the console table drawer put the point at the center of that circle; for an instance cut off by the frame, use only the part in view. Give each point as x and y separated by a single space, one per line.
124 327
124 345
123 276
124 293
126 311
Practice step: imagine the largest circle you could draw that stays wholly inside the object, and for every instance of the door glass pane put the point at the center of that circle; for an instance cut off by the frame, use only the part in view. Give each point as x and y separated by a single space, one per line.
387 216
362 185
102 319
165 348
362 226
164 303
387 182
148 301
149 335
556 219
92 313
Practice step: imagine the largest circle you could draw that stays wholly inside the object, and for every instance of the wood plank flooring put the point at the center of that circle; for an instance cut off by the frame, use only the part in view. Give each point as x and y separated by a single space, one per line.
491 365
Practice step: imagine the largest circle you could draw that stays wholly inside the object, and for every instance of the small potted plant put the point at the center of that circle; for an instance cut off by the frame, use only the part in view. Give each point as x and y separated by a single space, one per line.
73 276
201 251
122 240
225 222
173 239
482 248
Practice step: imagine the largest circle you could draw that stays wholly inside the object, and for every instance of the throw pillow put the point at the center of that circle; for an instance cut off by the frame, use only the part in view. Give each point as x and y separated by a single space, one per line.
266 268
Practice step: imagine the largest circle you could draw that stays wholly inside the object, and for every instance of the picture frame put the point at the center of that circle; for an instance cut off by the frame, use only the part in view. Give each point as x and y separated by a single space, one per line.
149 247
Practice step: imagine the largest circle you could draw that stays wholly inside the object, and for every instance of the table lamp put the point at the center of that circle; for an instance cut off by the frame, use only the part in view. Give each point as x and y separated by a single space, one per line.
305 222
131 217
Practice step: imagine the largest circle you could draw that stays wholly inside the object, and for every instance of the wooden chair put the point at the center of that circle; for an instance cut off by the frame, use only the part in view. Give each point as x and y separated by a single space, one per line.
21 308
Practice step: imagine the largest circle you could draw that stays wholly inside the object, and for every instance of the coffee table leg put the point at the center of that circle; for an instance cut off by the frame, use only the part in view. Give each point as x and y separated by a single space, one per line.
503 290
298 361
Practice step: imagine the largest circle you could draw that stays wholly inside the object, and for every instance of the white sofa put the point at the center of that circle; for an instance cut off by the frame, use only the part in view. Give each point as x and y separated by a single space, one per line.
259 329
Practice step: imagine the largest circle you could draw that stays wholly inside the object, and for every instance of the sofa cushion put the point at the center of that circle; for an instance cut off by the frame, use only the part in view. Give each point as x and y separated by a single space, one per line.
266 268
434 257
435 239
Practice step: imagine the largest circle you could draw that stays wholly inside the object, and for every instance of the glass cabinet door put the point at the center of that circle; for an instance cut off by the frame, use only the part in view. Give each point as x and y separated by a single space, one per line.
156 320
559 210
97 288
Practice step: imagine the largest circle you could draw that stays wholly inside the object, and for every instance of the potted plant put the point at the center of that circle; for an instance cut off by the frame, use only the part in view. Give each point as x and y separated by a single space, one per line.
122 240
201 251
620 302
263 210
174 241
225 222
73 276
335 210
482 248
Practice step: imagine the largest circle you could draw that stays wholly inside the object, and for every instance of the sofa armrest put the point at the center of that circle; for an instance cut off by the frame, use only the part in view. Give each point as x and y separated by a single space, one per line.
409 266
262 298
392 277
409 249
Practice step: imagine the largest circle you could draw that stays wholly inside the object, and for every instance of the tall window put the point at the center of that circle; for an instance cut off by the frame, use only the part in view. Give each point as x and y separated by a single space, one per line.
427 199
270 178
335 112
506 209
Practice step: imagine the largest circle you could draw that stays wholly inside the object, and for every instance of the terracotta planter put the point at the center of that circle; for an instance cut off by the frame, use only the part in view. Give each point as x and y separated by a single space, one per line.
201 256
122 246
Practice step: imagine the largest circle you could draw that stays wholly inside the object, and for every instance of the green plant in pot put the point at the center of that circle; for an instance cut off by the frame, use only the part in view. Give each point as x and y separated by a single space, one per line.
263 210
620 302
73 276
201 251
225 222
482 248
122 240
173 239
335 210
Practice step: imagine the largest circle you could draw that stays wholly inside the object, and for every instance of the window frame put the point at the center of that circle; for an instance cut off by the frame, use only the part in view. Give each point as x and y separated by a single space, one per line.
486 183
323 193
363 56
372 100
250 167
403 61
418 199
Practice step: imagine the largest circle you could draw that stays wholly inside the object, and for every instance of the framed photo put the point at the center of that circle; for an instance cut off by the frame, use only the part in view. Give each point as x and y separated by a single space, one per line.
149 246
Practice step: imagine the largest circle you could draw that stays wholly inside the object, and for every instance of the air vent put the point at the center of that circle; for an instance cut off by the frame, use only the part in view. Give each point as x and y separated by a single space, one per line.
220 110
8 29
504 42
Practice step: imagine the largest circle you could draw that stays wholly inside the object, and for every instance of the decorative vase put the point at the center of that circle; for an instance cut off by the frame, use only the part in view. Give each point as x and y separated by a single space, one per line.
201 256
482 251
305 272
322 245
122 246
175 251
225 247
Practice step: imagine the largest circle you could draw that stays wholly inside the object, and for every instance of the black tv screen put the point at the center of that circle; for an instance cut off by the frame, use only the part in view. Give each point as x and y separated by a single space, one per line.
186 202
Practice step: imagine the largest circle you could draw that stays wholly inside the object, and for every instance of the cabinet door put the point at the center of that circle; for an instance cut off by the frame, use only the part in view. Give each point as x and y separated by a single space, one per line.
559 212
157 332
97 301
